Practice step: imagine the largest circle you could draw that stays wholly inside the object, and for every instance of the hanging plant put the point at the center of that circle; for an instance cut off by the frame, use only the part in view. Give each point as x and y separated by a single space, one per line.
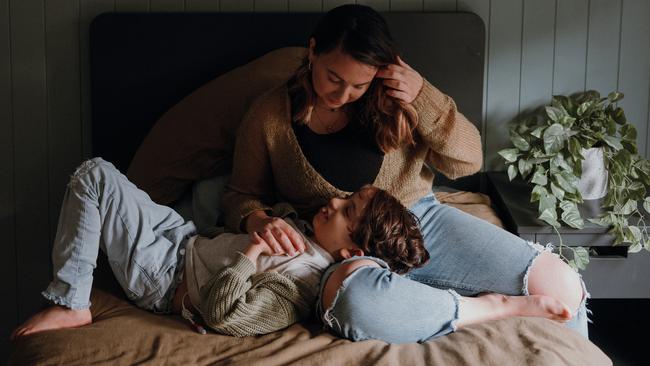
548 153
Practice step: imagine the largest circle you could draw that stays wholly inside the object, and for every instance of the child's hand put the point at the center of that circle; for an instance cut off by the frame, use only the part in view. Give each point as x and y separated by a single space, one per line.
260 246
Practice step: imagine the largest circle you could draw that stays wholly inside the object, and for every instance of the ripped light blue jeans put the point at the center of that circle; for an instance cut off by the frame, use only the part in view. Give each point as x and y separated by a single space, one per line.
468 256
143 241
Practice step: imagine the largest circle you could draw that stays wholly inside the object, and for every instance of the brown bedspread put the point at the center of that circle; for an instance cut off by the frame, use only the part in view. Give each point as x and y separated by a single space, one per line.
122 334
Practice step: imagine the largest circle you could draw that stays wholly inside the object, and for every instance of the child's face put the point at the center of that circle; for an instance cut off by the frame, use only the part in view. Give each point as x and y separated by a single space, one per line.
334 222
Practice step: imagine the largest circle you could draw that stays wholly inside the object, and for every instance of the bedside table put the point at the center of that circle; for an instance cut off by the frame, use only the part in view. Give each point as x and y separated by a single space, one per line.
611 272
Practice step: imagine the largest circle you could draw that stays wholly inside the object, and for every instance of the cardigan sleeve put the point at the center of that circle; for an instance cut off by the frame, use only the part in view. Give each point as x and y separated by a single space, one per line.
454 142
251 183
238 302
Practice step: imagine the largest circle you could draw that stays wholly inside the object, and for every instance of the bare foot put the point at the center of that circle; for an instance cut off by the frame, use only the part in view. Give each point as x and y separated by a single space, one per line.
495 306
54 317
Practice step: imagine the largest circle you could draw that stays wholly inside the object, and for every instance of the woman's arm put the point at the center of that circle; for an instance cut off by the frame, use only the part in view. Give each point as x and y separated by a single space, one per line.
454 142
251 184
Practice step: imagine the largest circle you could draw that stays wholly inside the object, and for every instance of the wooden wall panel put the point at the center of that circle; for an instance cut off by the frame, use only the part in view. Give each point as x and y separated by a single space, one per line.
166 5
305 6
603 46
278 6
133 5
482 9
63 108
634 71
202 5
570 46
379 5
406 5
537 54
237 5
331 4
31 143
8 307
504 63
440 5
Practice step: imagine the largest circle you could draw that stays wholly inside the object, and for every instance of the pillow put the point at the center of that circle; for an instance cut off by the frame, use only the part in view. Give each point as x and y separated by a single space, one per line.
195 139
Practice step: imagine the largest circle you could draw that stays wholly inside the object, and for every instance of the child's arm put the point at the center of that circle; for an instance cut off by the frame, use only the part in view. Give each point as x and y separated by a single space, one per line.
239 302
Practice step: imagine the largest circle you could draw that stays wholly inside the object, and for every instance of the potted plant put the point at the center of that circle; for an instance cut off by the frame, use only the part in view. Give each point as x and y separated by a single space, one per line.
549 152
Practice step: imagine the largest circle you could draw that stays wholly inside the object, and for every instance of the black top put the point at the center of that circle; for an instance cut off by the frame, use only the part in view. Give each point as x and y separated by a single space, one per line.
347 159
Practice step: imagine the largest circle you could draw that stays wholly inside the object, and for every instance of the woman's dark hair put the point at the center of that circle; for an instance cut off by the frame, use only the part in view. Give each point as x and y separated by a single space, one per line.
388 230
360 32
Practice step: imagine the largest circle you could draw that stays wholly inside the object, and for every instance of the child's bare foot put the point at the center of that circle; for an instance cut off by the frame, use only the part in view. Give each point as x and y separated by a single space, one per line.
496 306
55 317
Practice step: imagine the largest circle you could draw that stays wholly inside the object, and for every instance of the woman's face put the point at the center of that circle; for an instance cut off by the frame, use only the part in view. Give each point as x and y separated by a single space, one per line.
338 78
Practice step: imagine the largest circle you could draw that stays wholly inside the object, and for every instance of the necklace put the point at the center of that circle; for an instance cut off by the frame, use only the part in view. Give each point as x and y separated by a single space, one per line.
331 127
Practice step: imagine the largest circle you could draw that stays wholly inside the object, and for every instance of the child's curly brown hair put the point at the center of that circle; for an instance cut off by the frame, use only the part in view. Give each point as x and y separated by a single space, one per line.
389 231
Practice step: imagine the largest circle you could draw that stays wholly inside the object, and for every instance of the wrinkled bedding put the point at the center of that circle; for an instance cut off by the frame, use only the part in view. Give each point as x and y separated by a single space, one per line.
122 334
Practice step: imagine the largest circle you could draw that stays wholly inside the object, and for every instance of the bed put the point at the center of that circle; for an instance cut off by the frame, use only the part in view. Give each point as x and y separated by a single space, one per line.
154 79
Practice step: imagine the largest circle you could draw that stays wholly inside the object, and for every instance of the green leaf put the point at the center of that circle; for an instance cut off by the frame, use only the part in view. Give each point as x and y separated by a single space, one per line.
554 137
519 142
629 133
525 167
550 218
537 132
604 220
634 248
540 176
629 207
548 202
537 193
619 116
566 181
512 172
555 113
614 96
613 142
646 204
584 107
510 155
557 191
580 257
558 162
571 215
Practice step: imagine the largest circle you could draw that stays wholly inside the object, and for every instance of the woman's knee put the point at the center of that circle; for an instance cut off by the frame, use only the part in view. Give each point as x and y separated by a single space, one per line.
550 276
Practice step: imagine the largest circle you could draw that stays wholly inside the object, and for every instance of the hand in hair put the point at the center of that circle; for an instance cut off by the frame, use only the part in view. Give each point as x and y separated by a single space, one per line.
401 81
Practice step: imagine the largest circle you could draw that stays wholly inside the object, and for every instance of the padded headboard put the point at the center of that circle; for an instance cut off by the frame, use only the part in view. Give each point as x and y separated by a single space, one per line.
141 64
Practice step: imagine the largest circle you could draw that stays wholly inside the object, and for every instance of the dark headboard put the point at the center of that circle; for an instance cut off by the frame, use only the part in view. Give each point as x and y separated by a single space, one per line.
142 64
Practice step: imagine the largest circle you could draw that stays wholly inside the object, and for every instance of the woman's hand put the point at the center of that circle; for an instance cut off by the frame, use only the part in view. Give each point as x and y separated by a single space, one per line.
401 81
281 237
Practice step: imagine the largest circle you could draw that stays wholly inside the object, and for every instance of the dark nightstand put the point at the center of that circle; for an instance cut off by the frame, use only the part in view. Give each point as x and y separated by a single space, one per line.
611 272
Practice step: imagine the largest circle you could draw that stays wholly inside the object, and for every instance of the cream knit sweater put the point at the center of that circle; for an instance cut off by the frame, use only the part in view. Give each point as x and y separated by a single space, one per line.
269 166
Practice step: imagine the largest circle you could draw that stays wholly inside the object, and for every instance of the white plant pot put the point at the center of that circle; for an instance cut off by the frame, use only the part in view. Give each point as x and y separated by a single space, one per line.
593 182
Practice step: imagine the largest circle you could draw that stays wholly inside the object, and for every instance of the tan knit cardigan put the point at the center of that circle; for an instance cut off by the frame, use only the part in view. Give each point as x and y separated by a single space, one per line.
269 166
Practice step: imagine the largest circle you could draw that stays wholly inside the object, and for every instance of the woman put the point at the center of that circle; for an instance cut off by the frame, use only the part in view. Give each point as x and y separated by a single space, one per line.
355 113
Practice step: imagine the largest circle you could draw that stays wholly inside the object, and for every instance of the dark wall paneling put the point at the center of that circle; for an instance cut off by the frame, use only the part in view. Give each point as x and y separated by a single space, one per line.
379 5
634 70
63 107
570 46
537 54
504 63
272 6
167 5
137 5
31 145
8 307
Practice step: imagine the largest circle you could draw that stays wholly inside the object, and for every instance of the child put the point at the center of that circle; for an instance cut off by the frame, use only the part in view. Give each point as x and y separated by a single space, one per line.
240 284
